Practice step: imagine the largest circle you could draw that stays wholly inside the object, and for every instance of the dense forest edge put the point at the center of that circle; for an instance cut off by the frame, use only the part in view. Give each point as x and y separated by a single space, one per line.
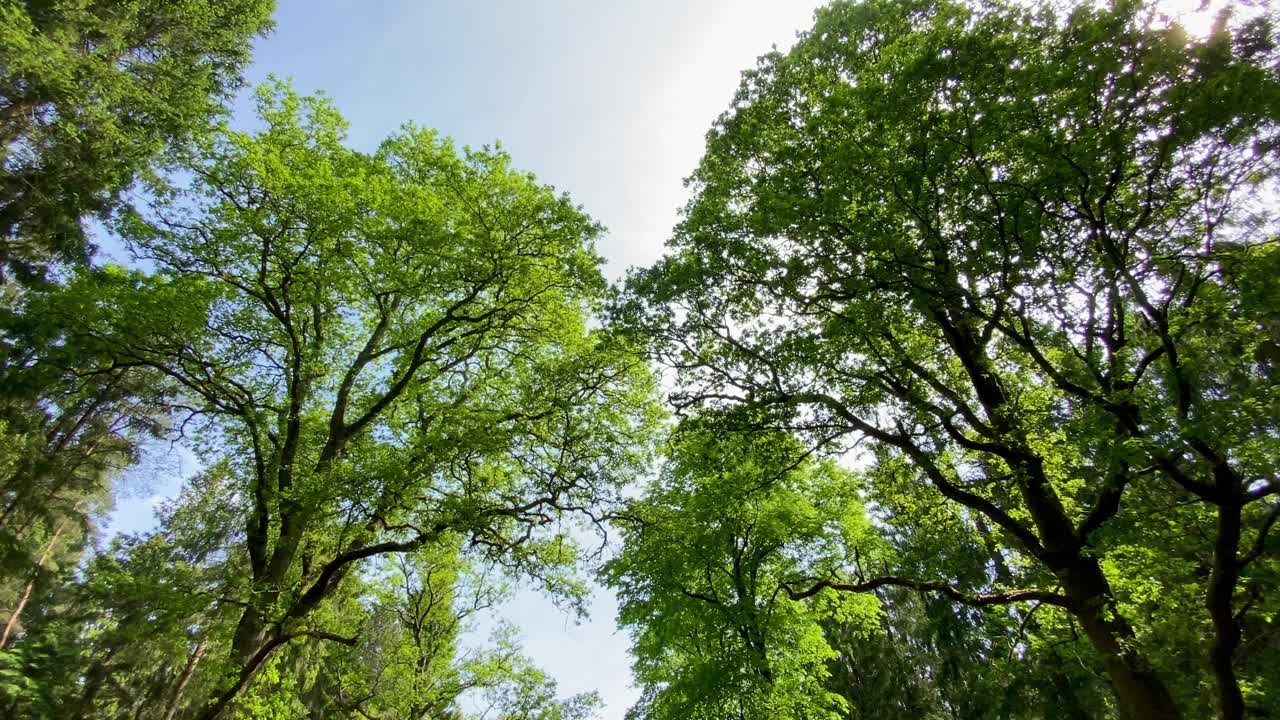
955 395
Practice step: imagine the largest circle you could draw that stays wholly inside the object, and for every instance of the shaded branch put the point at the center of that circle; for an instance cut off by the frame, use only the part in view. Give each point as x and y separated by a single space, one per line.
1046 597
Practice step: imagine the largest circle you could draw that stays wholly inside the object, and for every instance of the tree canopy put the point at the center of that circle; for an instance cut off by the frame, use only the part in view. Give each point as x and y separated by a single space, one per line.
970 331
381 354
91 93
701 578
1026 254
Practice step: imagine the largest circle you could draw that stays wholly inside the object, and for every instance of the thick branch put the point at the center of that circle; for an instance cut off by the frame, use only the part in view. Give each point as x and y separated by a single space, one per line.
1047 597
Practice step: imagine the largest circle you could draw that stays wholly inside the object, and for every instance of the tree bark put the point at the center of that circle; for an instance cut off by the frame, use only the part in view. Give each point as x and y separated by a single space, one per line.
248 672
1218 600
1140 694
250 635
175 699
11 624
254 665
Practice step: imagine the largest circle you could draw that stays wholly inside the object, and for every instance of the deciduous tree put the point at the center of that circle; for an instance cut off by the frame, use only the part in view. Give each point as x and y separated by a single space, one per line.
702 576
1029 256
383 350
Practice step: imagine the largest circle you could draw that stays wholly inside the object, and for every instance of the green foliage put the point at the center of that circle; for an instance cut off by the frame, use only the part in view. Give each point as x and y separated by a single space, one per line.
91 92
381 352
1019 250
1015 263
113 639
68 424
91 95
700 580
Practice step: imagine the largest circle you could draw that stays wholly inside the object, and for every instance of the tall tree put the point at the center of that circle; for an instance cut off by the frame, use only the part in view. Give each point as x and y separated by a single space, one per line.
1029 255
384 350
91 92
143 632
65 434
125 635
413 660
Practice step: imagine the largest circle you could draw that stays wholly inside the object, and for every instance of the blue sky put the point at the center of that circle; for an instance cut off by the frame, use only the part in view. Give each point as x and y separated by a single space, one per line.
606 100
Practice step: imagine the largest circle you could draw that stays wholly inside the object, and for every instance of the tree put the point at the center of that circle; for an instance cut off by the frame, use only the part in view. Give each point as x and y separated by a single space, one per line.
125 635
411 660
64 436
736 519
143 632
91 92
1030 257
383 350
707 553
933 657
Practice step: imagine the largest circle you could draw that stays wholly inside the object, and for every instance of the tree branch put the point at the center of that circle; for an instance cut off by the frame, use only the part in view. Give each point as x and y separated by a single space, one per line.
1047 597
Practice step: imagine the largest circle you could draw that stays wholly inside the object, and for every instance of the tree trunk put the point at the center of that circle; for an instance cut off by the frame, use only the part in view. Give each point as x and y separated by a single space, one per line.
250 636
1218 599
11 624
1140 694
175 699
248 671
